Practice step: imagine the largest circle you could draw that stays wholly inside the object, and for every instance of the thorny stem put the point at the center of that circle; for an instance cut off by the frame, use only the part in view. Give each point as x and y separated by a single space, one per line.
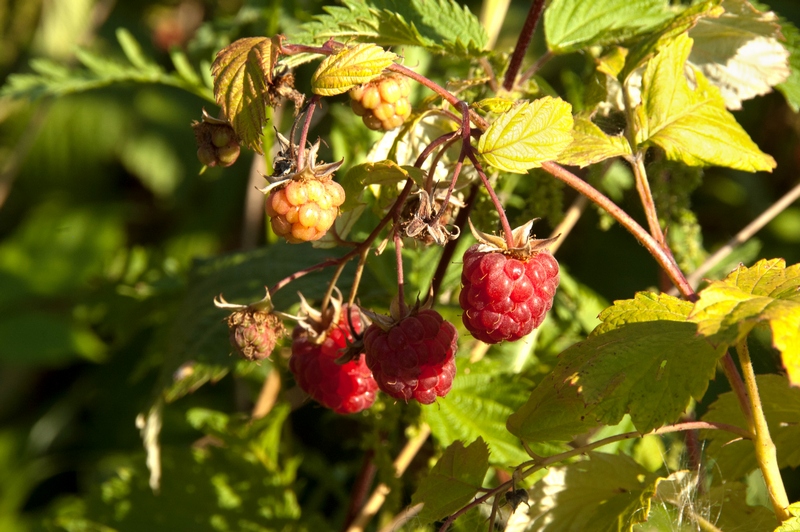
507 233
361 486
465 147
663 258
398 253
304 132
435 163
362 260
765 448
523 42
649 206
331 285
541 463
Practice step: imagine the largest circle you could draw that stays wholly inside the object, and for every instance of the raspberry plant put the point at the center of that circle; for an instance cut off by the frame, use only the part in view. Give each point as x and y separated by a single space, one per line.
403 157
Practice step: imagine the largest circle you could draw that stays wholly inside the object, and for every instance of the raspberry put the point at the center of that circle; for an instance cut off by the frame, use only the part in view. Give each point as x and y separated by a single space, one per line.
382 103
415 357
304 210
254 333
503 297
217 143
344 388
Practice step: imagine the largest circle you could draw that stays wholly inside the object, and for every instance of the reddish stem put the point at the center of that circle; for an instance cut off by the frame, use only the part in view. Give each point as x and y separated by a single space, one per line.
507 233
523 42
398 255
450 247
304 132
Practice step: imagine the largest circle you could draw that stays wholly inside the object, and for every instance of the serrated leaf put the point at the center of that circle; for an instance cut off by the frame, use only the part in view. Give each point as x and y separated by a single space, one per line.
349 68
606 493
645 306
591 145
740 52
477 407
571 25
767 292
691 125
381 173
494 105
793 523
440 26
453 481
242 74
781 404
666 33
528 135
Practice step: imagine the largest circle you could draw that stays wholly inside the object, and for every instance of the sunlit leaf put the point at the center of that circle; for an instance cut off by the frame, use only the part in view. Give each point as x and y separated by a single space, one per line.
350 67
767 292
574 24
791 87
691 124
528 135
645 306
453 481
242 74
793 523
363 175
591 145
604 493
740 52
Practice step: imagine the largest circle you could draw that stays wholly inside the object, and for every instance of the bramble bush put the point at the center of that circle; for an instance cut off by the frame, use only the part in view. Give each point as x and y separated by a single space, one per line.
407 349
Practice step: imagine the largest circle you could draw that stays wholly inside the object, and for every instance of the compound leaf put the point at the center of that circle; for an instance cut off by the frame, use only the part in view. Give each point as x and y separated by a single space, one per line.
242 74
740 52
591 145
691 125
781 403
528 135
350 67
767 292
453 481
574 24
607 492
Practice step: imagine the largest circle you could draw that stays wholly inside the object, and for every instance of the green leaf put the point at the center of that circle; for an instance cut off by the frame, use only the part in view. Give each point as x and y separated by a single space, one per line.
381 173
767 292
440 26
476 407
591 145
242 74
528 135
39 338
349 68
571 25
781 404
740 52
645 306
666 33
649 369
453 481
793 523
691 125
604 493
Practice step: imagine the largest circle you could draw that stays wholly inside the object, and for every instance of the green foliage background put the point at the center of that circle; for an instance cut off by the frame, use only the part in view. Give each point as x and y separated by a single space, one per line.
112 247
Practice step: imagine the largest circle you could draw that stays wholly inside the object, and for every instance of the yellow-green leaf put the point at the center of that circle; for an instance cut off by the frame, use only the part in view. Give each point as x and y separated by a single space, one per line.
242 74
494 105
528 135
691 124
350 67
591 145
768 292
645 306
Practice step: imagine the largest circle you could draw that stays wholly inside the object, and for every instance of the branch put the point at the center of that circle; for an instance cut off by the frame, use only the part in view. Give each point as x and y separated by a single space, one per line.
523 42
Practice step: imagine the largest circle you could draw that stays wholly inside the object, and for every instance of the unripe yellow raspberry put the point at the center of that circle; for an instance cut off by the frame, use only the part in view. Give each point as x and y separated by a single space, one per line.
383 102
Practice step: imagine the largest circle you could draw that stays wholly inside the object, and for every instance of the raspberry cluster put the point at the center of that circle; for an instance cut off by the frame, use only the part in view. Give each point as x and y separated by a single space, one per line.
505 298
304 210
382 103
415 357
344 388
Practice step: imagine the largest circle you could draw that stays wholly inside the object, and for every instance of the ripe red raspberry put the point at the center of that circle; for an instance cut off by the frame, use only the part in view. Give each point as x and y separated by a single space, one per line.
415 357
344 388
503 297
304 210
382 103
254 333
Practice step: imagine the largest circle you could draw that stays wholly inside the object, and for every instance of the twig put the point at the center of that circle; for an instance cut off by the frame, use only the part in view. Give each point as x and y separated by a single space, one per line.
402 518
742 236
253 216
523 42
380 493
571 218
268 396
450 247
361 487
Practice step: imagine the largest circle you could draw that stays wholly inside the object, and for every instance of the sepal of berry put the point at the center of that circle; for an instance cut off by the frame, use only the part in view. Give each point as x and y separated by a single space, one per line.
412 356
507 291
254 329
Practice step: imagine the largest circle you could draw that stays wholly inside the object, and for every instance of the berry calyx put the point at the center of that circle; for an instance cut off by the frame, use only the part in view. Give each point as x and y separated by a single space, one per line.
344 388
382 103
303 205
414 357
506 293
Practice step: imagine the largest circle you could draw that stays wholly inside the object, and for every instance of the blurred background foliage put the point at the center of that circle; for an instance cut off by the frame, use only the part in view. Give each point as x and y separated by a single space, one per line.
113 245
